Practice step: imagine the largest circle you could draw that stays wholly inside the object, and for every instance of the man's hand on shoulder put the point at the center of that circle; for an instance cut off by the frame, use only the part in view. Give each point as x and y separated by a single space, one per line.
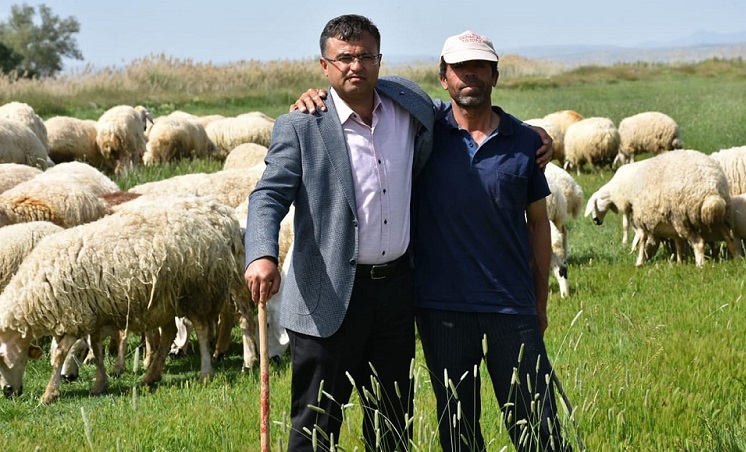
309 101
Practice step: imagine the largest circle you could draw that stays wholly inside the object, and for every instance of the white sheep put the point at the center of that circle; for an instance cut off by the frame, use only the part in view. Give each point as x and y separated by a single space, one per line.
17 241
25 114
554 132
176 137
245 155
557 213
83 174
228 133
136 269
73 139
58 198
230 187
592 140
121 135
684 197
738 222
570 188
649 131
12 174
19 144
733 163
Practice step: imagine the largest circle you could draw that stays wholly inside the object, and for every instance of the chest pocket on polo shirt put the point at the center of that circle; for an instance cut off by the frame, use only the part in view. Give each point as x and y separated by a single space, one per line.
509 190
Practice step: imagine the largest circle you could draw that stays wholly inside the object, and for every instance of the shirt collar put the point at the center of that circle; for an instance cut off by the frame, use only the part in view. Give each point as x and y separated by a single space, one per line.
504 128
344 111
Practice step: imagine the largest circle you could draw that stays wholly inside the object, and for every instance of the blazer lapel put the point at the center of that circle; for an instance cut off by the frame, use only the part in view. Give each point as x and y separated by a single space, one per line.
331 133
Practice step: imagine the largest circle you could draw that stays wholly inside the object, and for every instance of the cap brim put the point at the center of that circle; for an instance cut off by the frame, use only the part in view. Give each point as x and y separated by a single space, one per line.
468 55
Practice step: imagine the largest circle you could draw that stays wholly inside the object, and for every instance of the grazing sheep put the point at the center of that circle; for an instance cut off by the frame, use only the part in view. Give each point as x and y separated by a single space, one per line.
230 187
176 137
685 197
245 156
57 198
73 139
121 136
136 269
650 131
12 174
738 213
570 188
24 113
246 128
558 140
557 213
19 144
733 163
591 140
563 118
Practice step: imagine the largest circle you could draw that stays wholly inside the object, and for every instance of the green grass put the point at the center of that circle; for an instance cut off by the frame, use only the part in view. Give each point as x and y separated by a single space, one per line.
652 358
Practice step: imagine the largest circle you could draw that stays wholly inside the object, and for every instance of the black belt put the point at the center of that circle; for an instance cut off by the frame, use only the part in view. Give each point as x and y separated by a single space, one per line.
383 271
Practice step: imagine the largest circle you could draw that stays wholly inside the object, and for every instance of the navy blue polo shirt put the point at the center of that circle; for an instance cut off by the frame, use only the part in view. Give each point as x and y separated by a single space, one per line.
471 246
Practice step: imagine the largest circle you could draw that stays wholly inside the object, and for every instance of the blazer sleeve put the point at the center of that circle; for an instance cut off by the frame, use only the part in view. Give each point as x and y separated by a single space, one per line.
270 200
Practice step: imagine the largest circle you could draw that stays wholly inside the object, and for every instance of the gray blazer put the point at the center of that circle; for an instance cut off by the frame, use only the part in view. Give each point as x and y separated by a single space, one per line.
308 165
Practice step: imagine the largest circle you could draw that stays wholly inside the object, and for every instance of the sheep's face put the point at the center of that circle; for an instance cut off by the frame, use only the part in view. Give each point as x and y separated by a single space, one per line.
15 351
597 207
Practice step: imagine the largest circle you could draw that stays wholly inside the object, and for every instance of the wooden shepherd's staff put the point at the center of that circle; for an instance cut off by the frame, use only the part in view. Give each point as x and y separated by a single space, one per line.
264 372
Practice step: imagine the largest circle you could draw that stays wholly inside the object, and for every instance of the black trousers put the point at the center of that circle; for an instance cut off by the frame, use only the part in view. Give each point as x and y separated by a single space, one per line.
454 345
374 347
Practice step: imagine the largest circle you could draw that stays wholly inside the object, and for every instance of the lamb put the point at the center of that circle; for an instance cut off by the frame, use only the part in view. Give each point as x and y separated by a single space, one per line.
230 187
12 174
25 114
733 163
173 257
685 197
246 128
553 130
593 140
245 155
19 144
176 137
649 131
74 139
121 136
57 198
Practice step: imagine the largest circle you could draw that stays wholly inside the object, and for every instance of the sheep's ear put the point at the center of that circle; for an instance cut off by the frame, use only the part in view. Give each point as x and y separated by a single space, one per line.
35 352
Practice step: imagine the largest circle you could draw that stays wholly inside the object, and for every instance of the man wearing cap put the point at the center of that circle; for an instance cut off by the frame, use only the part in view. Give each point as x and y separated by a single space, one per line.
481 255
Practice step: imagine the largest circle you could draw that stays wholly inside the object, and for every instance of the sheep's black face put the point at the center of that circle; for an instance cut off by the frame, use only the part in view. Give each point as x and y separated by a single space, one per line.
9 392
598 221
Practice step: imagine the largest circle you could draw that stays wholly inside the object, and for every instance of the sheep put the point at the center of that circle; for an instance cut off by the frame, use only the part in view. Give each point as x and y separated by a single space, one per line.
136 269
121 135
563 118
738 222
176 137
733 163
570 188
58 198
558 145
594 140
649 131
557 213
683 196
19 144
246 128
25 114
245 155
231 187
73 139
12 174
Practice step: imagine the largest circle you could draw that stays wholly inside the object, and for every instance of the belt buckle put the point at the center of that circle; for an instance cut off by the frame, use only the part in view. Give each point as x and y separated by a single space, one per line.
382 268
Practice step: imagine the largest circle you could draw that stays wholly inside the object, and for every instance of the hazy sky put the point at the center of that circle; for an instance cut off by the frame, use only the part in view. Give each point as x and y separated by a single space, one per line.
220 31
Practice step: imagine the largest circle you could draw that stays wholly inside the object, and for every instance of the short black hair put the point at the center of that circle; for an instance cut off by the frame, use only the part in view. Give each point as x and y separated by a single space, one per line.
348 27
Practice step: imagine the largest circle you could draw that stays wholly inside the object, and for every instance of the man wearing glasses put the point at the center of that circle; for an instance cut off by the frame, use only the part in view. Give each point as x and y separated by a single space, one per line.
348 302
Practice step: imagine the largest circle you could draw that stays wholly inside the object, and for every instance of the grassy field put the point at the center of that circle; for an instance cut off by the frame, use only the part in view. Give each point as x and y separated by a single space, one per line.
652 358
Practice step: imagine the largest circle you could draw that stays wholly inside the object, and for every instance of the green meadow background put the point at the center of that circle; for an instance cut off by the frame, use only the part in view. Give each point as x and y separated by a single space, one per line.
651 358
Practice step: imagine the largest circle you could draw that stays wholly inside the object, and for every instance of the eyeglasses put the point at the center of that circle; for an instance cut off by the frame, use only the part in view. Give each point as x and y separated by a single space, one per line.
364 59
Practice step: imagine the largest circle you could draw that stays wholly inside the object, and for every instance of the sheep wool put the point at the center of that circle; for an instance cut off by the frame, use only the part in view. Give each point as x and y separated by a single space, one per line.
136 269
733 163
82 174
554 132
25 114
245 155
254 127
16 242
73 139
121 136
177 137
12 174
592 140
649 131
19 144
